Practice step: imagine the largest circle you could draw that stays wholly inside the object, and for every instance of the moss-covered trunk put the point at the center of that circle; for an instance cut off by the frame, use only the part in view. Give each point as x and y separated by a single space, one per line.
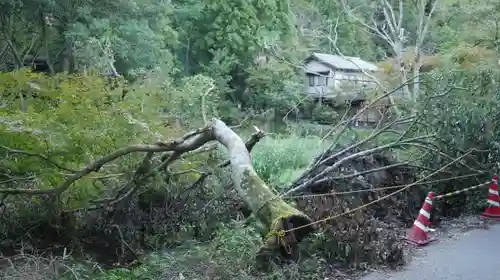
274 213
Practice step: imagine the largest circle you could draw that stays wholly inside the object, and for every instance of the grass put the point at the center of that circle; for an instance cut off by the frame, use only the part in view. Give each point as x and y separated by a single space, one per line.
281 159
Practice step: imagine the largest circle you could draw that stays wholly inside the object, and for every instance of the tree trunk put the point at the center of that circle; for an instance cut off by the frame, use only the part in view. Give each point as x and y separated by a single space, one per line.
273 212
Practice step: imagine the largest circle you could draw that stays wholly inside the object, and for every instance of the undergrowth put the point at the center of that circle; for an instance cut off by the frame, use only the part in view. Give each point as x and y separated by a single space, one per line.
228 256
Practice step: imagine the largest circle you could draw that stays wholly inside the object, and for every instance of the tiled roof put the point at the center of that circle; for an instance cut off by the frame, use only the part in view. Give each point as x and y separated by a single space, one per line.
344 62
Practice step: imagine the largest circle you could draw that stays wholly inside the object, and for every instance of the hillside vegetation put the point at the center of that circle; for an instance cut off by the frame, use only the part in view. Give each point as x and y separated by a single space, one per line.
171 139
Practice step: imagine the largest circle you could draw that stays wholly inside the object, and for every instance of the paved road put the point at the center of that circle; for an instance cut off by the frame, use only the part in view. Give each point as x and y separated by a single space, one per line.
473 255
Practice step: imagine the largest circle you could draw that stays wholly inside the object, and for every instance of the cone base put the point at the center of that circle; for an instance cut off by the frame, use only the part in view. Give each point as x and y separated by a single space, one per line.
489 216
420 242
491 213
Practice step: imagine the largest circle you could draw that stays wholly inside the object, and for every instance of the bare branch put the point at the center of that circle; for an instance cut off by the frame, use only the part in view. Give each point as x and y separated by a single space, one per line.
203 109
370 137
401 12
374 29
365 172
390 19
338 163
424 22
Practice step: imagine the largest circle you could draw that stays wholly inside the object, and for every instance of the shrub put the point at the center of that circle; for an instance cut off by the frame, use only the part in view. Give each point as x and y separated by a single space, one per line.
465 118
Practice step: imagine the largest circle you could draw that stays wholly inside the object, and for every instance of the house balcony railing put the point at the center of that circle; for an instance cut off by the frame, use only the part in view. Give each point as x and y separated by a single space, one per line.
354 94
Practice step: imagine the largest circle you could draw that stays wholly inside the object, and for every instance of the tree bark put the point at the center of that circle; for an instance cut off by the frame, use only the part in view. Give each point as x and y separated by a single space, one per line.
273 212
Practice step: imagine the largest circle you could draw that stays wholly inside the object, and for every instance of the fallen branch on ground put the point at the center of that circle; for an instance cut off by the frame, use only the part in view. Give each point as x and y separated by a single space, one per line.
140 177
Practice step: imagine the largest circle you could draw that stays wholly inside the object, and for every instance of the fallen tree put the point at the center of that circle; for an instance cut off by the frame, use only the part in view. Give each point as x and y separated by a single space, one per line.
270 210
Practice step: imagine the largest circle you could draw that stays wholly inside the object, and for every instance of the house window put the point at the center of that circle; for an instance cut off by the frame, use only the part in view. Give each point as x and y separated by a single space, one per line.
321 81
311 80
318 80
324 76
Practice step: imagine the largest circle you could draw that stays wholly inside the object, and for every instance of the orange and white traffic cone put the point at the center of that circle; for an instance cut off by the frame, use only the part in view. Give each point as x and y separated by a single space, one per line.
493 210
418 234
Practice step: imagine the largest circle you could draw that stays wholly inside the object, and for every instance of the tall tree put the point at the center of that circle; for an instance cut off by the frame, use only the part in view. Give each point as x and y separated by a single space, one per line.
388 21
